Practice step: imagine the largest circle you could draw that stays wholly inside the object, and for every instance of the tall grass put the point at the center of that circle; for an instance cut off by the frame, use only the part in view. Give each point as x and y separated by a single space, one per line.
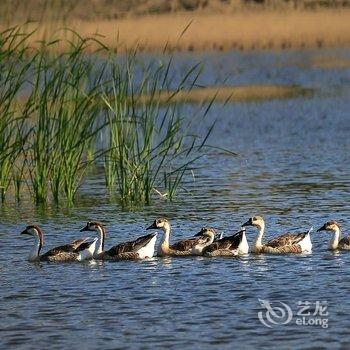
12 124
11 144
64 113
55 108
150 147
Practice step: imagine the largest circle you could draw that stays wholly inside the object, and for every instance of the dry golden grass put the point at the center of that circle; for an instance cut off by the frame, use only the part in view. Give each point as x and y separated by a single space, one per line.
245 30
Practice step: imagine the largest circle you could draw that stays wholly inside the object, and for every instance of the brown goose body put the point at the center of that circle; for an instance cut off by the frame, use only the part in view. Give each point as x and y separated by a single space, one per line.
69 252
60 253
167 251
127 250
140 248
226 246
186 244
285 239
287 249
185 247
195 245
344 243
288 243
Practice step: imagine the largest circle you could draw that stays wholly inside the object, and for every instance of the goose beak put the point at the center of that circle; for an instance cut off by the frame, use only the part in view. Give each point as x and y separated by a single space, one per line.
24 232
200 233
85 228
152 227
247 223
323 228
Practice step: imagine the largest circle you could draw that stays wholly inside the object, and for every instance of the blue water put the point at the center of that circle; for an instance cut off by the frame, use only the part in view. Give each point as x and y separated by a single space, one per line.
292 167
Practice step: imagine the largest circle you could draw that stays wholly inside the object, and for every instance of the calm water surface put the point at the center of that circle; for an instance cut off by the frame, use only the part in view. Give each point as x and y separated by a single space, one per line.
293 168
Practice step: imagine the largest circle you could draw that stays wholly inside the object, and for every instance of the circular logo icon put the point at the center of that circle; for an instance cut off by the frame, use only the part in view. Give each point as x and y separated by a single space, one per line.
273 315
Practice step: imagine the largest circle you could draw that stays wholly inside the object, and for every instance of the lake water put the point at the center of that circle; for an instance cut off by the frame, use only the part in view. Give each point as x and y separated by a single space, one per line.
292 168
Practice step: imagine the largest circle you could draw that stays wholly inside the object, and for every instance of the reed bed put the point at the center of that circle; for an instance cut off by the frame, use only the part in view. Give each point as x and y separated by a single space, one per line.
62 113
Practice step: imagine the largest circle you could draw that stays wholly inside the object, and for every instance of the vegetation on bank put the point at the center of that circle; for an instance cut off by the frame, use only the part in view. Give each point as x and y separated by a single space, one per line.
63 113
208 24
90 10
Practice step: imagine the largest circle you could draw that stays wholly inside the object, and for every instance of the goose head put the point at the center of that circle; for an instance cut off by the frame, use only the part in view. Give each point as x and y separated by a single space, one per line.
332 226
92 226
256 221
160 223
208 231
100 230
34 231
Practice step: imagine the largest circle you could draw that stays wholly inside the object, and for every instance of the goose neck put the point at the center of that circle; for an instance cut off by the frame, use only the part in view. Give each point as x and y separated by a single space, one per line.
164 244
333 244
257 244
101 239
35 252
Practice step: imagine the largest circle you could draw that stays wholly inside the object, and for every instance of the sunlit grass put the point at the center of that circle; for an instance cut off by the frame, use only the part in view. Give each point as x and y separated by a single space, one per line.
237 30
150 146
76 110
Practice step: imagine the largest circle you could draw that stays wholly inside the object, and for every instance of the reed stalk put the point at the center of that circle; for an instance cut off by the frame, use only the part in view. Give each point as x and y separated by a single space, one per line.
150 147
81 109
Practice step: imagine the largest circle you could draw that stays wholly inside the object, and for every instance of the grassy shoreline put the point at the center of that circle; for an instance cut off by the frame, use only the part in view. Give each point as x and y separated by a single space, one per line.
243 30
81 112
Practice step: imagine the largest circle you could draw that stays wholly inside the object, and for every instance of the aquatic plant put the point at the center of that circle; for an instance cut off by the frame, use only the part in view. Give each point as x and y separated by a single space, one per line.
12 125
150 147
63 111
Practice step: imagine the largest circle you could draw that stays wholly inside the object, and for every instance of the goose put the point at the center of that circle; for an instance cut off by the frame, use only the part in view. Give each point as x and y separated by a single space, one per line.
141 248
198 242
81 249
284 244
234 245
185 247
336 242
204 231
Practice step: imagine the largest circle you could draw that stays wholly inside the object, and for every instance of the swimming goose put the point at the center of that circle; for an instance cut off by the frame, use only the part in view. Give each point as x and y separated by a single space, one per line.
284 244
204 232
141 248
81 249
185 247
234 245
336 242
198 242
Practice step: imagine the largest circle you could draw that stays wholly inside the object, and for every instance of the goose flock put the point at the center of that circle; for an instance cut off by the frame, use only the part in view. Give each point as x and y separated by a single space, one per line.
204 243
